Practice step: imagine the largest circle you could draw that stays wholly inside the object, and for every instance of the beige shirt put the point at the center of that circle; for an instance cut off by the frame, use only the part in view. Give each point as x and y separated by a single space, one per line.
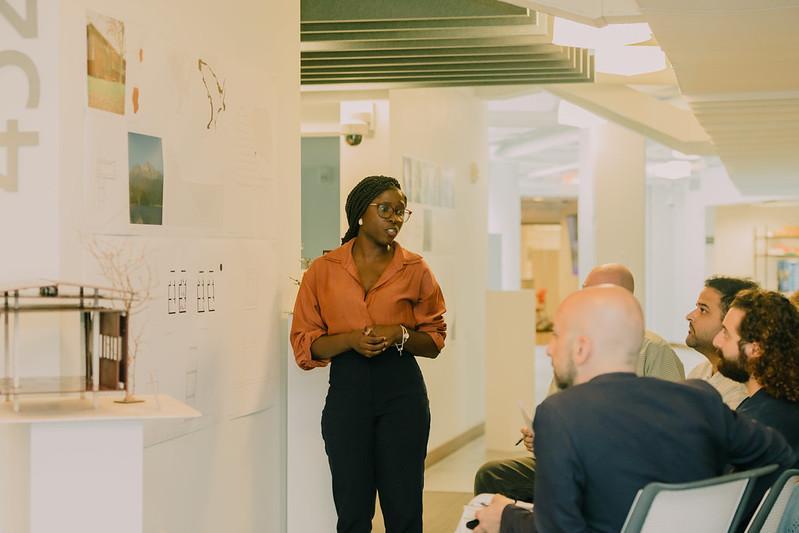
657 359
732 392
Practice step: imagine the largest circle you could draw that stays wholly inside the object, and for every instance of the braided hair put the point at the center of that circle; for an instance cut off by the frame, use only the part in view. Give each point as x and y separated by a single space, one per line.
359 199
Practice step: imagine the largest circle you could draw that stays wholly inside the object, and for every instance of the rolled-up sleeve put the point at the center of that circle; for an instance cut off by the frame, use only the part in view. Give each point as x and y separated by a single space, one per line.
307 324
430 308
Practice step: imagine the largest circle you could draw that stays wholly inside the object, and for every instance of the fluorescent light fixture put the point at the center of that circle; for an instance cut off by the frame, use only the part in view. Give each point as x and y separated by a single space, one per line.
671 170
570 33
629 60
572 115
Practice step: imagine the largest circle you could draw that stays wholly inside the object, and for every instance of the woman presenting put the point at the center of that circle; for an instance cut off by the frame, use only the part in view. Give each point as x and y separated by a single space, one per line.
370 307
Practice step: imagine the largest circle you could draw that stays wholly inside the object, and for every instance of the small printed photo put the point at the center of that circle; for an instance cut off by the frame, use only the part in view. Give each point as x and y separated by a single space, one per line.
105 62
146 171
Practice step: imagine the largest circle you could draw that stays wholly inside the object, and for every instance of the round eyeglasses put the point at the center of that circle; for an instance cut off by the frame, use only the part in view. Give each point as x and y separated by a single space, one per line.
386 210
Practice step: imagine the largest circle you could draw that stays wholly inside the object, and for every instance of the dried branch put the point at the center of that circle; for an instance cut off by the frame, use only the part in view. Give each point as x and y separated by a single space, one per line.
128 271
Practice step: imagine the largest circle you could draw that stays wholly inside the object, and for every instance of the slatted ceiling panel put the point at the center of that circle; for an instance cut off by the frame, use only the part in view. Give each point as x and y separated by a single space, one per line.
334 10
757 140
419 43
418 25
430 45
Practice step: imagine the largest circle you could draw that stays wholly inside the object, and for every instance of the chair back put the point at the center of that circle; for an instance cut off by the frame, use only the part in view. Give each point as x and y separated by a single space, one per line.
790 518
775 504
711 505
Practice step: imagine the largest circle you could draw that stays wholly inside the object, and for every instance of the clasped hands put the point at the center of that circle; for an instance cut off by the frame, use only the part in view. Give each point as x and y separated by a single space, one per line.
373 340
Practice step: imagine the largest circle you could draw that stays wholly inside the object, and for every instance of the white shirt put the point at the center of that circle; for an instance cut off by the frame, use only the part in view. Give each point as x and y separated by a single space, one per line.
732 392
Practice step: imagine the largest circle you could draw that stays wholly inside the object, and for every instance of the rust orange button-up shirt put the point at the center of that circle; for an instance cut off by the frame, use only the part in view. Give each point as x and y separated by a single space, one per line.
331 300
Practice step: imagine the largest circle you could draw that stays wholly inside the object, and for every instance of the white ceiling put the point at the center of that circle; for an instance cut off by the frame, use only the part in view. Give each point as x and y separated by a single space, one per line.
735 68
737 63
524 129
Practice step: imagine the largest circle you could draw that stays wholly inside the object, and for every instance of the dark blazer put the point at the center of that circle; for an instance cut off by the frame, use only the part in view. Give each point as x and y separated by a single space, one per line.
598 443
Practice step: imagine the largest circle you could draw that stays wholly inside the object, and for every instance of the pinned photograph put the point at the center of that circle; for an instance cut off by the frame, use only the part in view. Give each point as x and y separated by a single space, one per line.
146 165
105 62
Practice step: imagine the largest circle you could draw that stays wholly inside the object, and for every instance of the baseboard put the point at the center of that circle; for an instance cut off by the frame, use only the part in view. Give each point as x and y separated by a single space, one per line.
454 444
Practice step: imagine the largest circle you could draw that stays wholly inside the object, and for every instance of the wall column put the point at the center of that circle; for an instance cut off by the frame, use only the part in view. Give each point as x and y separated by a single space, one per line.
612 206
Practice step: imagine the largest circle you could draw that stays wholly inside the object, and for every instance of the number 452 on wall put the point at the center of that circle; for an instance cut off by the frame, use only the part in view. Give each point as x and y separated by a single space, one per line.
12 139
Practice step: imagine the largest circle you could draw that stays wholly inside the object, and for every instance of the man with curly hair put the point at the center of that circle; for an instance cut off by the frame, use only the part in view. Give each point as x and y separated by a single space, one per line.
759 345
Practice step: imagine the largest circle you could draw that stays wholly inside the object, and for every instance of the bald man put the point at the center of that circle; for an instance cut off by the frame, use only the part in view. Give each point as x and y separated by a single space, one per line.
610 432
516 477
656 358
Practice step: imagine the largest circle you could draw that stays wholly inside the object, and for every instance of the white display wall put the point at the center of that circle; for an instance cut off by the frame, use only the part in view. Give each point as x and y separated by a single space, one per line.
218 87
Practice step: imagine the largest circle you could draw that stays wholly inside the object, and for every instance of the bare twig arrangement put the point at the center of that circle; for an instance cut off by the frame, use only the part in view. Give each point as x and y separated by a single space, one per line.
127 269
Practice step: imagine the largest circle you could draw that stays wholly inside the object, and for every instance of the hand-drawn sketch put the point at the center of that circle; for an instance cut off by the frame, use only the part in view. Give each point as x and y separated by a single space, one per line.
105 62
215 90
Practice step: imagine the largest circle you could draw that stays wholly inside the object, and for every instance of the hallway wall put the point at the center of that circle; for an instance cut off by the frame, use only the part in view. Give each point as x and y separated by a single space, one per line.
446 128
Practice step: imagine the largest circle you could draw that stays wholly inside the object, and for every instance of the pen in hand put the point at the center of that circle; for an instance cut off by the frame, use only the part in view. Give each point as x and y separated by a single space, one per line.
519 441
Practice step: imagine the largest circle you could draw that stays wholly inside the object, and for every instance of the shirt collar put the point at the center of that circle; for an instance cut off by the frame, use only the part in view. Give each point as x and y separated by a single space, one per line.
343 256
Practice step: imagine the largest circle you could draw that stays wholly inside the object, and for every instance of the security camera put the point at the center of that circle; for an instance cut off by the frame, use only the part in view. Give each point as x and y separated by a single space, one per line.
353 139
355 129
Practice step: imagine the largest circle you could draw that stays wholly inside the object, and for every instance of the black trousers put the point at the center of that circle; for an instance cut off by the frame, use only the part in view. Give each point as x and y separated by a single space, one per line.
375 424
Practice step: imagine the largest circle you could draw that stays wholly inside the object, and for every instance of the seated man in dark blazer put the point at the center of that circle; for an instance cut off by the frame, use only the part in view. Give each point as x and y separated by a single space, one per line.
611 433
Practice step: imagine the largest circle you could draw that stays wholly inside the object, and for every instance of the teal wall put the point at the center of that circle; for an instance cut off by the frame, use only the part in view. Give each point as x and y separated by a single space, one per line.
320 195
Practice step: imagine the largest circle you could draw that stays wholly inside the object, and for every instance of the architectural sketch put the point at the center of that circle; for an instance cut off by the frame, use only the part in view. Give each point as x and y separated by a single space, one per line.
215 91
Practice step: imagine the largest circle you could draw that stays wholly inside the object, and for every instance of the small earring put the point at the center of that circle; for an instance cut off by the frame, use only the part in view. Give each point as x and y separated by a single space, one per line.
360 222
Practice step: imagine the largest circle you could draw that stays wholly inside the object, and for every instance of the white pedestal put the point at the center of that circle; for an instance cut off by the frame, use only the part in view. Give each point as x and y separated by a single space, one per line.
309 487
309 491
73 468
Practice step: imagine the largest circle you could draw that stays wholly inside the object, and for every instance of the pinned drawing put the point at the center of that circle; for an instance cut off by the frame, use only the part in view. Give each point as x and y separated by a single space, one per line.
146 171
215 91
105 55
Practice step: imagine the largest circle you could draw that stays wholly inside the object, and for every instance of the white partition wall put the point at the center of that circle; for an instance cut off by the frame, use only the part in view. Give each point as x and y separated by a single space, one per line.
510 365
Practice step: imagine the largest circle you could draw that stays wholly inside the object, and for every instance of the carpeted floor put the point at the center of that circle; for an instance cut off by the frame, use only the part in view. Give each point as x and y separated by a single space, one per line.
442 511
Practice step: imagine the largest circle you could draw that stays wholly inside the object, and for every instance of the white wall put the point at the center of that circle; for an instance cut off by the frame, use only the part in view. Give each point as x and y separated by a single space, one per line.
231 196
678 258
611 201
734 247
29 213
447 127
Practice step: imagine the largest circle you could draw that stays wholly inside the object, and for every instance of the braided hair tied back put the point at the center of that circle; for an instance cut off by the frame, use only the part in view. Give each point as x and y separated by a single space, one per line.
359 199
